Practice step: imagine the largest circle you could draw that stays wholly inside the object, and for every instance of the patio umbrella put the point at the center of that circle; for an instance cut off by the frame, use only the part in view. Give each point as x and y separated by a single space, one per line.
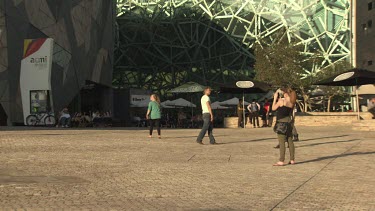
164 104
189 87
232 102
245 87
354 77
218 106
181 103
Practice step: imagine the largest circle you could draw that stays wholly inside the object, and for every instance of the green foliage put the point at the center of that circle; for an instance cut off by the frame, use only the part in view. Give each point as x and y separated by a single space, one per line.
282 64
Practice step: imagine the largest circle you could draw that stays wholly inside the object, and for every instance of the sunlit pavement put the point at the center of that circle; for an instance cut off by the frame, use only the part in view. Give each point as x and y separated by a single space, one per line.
122 169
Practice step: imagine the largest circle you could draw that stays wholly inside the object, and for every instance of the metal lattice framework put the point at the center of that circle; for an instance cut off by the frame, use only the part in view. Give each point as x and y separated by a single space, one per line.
321 26
159 53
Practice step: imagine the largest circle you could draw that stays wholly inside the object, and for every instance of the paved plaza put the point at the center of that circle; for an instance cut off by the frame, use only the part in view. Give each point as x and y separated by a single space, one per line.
121 169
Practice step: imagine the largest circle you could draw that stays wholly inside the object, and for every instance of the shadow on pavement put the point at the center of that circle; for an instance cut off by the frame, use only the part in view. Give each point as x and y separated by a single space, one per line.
313 139
335 156
331 142
196 136
254 140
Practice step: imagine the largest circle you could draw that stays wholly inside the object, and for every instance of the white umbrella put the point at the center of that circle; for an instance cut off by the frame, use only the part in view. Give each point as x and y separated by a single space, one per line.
190 87
164 104
365 90
232 102
181 103
217 106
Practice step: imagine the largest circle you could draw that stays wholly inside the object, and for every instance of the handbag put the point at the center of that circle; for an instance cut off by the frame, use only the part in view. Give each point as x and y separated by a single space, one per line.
282 128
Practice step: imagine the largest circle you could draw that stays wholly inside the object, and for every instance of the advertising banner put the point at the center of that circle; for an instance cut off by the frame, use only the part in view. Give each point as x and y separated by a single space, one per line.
139 101
35 78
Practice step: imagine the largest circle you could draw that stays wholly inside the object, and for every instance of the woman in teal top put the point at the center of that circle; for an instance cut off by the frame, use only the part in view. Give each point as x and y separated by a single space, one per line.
154 114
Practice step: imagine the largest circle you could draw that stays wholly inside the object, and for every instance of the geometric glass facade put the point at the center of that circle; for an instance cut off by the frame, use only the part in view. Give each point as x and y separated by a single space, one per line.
321 26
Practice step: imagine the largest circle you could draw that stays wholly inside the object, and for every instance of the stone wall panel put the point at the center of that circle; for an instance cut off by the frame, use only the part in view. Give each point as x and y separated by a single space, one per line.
82 46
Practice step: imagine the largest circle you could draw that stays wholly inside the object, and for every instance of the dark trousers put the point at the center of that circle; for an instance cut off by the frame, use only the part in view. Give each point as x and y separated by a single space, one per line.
270 120
155 122
64 121
240 119
255 116
251 118
207 127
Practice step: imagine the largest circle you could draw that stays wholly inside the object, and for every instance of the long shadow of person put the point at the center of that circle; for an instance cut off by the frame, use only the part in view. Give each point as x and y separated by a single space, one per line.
335 156
331 142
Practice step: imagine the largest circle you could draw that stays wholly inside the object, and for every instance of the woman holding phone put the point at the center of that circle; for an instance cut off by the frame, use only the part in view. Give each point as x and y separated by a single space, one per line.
154 114
284 102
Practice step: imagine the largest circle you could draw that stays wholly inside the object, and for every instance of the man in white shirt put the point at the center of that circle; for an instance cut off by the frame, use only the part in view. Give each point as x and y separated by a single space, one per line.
208 118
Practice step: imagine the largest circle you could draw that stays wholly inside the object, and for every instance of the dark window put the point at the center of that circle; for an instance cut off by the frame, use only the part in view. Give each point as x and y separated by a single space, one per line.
369 63
370 6
369 24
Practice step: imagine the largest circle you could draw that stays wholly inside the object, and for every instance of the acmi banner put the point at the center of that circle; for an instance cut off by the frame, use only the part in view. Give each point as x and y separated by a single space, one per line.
36 68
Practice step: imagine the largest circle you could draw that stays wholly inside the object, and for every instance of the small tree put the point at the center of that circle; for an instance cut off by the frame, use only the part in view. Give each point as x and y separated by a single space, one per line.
282 64
334 91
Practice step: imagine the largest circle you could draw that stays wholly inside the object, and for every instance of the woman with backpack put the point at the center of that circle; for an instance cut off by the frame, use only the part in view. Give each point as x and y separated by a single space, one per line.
154 114
284 102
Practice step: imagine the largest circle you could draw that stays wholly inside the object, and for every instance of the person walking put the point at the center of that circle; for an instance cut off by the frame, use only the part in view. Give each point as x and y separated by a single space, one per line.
240 111
208 118
154 114
284 106
254 109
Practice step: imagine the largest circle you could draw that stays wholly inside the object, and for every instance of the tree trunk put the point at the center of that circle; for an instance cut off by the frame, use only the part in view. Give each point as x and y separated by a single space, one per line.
306 102
300 105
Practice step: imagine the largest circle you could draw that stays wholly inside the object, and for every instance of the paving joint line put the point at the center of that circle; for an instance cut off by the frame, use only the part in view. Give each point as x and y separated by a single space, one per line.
191 158
312 177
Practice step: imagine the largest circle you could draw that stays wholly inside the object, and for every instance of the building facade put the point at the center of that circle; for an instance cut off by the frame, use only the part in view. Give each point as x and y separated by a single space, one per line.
82 54
363 15
321 26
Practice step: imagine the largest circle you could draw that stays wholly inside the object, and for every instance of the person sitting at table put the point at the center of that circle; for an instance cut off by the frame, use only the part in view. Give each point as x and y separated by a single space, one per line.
181 118
96 118
197 120
65 118
107 119
76 120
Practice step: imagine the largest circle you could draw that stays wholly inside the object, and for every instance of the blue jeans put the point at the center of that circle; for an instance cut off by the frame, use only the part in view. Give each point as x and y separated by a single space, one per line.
207 127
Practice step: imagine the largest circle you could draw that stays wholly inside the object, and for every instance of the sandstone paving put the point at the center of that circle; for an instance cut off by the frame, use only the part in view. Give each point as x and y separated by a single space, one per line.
122 169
